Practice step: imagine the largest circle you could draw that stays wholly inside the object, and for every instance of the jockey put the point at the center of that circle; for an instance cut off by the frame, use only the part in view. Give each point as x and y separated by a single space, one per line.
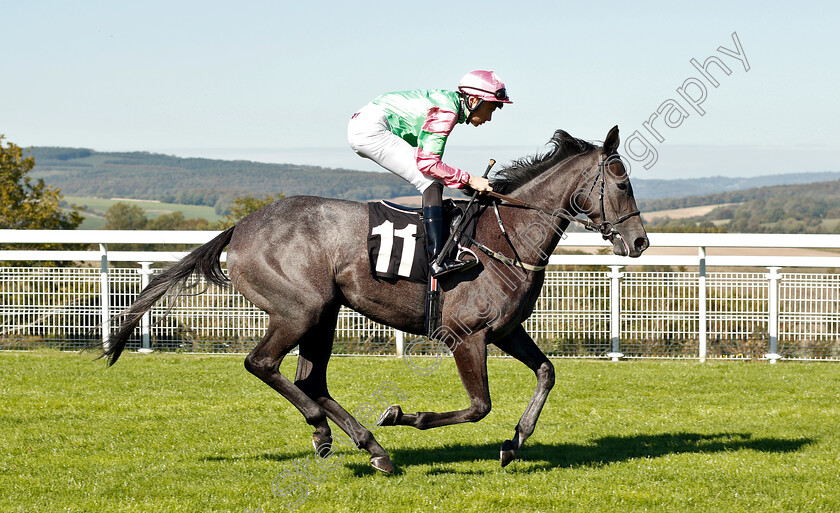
405 132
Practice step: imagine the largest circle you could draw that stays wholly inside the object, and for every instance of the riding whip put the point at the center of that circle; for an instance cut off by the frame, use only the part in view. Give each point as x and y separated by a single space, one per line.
456 234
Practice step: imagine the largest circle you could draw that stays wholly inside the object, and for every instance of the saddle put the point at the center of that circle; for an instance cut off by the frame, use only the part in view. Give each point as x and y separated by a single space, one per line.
397 240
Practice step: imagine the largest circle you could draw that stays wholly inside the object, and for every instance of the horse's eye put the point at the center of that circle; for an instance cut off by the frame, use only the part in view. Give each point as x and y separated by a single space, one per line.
622 186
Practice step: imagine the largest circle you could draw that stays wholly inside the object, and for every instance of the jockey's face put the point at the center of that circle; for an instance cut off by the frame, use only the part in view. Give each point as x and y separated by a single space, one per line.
482 114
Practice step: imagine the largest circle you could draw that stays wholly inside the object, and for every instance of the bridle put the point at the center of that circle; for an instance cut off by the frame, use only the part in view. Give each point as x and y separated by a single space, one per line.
605 228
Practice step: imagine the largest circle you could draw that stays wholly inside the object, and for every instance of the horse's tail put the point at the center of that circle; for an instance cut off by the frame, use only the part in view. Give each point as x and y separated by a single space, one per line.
203 261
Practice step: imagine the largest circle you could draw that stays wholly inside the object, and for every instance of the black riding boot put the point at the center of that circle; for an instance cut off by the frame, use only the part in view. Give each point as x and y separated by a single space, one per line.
433 222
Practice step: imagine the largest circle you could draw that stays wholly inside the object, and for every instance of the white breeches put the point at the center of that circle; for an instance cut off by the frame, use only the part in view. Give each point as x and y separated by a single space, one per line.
370 136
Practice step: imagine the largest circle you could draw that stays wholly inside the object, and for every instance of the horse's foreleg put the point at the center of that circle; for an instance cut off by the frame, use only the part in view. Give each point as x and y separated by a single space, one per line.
522 347
471 360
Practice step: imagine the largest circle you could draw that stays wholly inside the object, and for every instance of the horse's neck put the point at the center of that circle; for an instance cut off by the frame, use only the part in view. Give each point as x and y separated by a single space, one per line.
552 191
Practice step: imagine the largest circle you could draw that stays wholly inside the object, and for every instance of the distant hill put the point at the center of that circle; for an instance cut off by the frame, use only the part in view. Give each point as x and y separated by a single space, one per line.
804 192
196 181
680 188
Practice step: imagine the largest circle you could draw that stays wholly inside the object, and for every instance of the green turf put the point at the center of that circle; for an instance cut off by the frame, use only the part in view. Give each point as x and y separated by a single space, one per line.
198 433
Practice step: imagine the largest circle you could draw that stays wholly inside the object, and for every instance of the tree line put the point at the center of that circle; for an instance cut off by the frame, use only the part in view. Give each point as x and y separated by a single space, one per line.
26 201
800 208
32 204
125 216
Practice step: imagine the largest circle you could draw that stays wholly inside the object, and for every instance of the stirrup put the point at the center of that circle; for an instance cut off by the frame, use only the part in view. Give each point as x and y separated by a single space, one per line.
463 261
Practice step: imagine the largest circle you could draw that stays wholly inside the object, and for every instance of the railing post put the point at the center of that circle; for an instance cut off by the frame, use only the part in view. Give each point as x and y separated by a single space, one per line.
615 312
702 322
104 295
145 324
400 336
773 314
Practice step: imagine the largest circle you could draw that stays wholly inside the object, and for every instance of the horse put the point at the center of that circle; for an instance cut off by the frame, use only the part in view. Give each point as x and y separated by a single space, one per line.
303 257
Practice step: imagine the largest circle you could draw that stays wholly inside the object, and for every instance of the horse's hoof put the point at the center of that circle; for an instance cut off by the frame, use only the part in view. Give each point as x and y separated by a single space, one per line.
323 446
390 417
382 464
507 454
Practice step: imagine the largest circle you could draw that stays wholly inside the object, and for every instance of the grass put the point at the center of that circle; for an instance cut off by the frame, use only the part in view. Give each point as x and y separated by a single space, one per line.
96 208
198 433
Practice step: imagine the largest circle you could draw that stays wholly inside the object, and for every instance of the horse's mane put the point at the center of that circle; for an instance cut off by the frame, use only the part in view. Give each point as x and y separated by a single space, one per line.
523 170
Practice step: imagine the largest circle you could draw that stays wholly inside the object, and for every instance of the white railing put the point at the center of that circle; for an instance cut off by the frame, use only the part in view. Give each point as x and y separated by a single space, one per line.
759 310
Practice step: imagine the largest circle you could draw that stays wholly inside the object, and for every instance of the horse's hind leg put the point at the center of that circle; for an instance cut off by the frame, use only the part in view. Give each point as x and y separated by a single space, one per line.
522 347
311 378
264 362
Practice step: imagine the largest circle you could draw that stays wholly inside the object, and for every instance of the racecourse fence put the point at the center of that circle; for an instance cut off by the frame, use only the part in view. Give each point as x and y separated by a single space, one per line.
767 306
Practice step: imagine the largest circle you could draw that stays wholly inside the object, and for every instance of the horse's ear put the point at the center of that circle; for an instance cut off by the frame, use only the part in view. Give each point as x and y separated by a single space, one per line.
611 142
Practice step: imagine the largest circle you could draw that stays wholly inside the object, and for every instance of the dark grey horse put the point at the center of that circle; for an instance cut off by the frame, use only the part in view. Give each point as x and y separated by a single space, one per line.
302 258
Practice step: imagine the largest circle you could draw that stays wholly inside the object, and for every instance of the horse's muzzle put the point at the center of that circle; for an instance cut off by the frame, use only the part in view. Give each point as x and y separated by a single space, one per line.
622 247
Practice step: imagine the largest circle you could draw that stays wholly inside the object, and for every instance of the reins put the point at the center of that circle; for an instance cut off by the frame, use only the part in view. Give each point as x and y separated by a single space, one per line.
586 223
605 228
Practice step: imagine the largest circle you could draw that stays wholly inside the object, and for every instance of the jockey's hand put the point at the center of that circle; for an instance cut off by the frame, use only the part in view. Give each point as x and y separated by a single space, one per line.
479 184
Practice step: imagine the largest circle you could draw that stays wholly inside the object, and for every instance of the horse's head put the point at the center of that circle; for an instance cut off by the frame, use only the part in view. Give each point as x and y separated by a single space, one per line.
606 197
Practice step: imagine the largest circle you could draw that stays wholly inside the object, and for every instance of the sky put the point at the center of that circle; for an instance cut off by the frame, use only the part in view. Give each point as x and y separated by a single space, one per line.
276 81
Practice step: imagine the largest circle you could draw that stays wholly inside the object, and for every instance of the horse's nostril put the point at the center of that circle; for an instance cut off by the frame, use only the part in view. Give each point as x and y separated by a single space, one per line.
641 243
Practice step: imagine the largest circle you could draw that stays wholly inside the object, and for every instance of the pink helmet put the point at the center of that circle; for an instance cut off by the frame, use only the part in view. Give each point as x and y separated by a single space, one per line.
485 85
